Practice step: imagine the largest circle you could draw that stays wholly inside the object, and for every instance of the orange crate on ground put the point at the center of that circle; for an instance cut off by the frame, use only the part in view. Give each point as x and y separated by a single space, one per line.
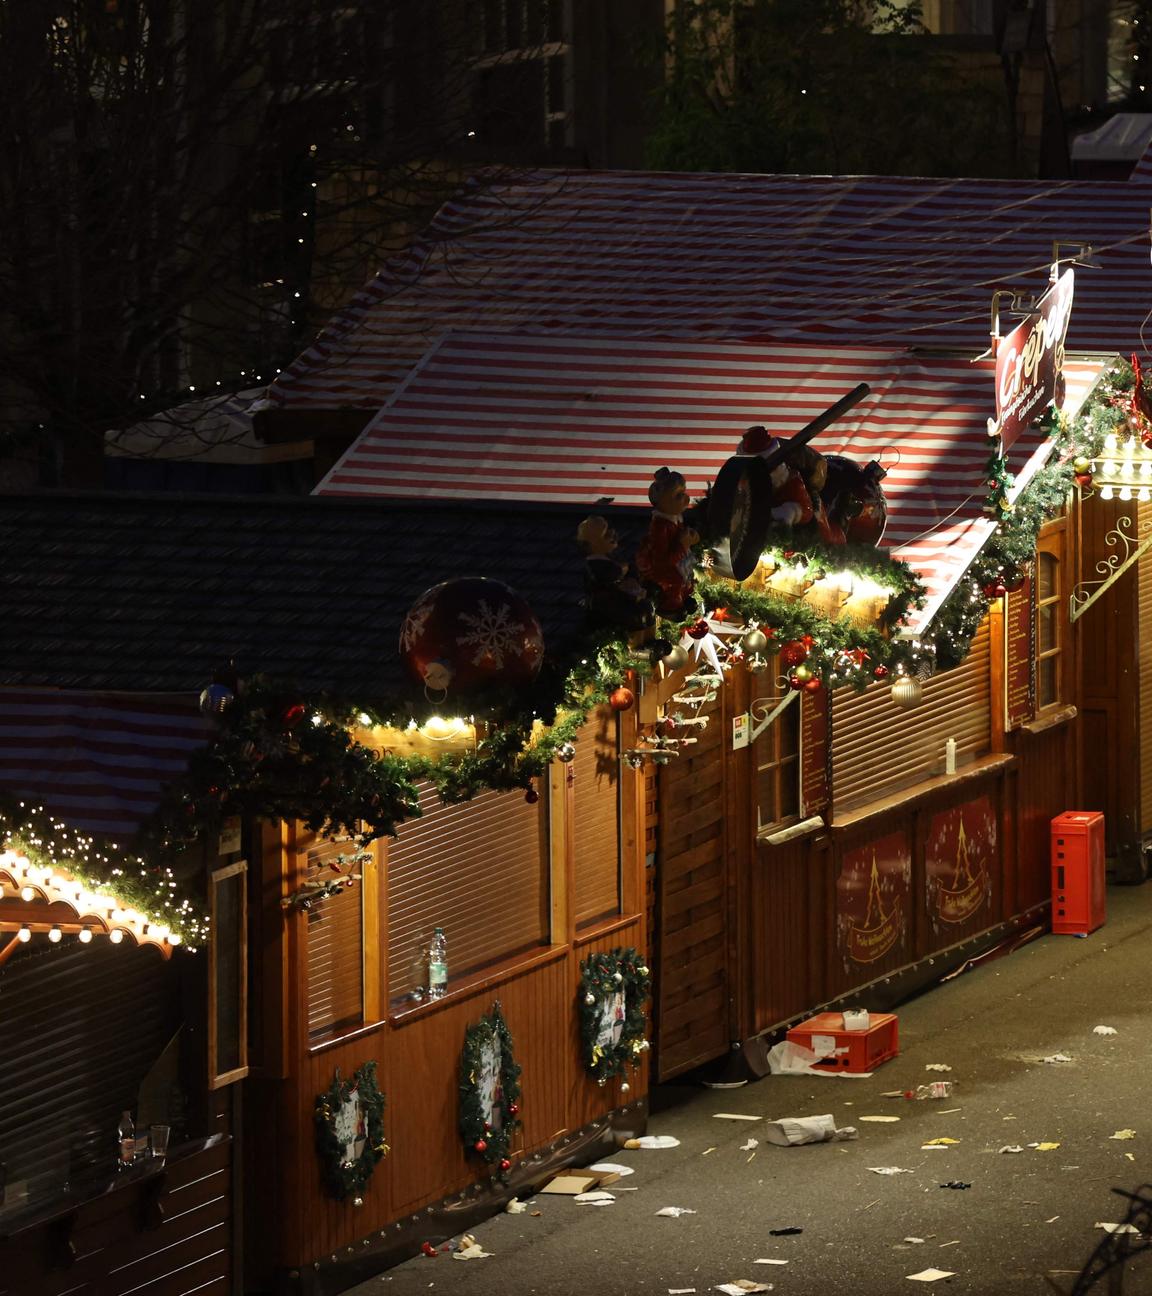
856 1050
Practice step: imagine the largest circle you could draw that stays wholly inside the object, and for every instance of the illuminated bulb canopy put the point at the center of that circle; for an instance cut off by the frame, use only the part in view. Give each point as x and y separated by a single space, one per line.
1106 492
27 893
1125 492
115 935
85 935
54 935
24 934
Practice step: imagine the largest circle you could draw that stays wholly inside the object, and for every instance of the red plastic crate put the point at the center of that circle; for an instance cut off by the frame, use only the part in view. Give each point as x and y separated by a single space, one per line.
1078 888
856 1050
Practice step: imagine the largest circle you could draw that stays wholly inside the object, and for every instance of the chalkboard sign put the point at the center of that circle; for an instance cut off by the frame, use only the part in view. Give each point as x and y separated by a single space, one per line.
228 976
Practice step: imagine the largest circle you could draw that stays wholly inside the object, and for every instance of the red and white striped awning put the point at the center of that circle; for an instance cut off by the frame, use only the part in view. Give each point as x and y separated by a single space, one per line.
98 762
871 261
586 419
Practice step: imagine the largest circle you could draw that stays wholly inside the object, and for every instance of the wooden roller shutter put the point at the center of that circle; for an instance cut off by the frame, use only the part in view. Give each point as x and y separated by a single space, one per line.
596 819
335 940
480 871
1144 682
879 748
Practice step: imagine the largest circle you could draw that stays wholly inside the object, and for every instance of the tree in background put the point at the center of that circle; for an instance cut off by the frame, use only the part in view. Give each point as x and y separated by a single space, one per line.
824 87
188 187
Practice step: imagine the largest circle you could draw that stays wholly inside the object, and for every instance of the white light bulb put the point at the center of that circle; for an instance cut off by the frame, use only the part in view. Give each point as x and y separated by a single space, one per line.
26 893
1125 493
174 938
1105 492
115 935
85 935
24 934
54 935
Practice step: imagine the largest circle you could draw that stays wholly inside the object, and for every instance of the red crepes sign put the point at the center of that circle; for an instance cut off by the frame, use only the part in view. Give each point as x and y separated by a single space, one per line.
1030 362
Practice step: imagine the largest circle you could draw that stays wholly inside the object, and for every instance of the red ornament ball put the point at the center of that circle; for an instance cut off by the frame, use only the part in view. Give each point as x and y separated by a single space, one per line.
813 685
699 630
481 1145
531 796
995 589
513 1109
880 673
505 1164
429 1250
792 654
1084 480
621 698
795 682
465 635
292 715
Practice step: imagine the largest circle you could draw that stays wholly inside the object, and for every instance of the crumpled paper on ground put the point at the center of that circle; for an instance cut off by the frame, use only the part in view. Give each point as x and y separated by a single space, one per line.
888 1170
598 1197
652 1141
469 1249
674 1212
791 1131
1104 1030
1123 1134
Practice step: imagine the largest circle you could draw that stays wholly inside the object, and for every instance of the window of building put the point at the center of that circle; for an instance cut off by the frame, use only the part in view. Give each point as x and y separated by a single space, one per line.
1049 621
480 870
776 751
595 775
339 985
523 87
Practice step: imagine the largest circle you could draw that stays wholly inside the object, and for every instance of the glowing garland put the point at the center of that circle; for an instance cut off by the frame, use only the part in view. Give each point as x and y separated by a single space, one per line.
149 894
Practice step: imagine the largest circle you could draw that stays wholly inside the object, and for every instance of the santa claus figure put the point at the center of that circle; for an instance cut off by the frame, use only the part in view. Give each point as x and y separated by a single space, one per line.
798 475
664 560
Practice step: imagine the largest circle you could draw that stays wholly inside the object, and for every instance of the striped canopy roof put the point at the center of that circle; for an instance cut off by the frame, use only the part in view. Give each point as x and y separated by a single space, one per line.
875 261
97 761
581 418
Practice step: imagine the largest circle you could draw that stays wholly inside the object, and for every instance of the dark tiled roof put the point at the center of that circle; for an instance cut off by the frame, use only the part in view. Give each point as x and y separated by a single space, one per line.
152 594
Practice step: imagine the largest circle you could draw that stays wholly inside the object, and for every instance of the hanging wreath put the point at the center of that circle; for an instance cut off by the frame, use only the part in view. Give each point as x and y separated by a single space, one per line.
489 1090
350 1131
614 988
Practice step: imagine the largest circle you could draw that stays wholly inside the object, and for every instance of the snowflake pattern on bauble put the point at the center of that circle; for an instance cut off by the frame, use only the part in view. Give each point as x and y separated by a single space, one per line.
492 633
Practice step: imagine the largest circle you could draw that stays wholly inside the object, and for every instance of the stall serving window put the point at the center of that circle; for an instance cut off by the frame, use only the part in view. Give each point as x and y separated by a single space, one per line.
595 780
341 959
1051 606
776 751
480 870
879 748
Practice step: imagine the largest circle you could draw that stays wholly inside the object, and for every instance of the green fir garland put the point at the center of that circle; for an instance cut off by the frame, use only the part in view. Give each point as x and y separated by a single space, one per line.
482 1133
346 1176
614 989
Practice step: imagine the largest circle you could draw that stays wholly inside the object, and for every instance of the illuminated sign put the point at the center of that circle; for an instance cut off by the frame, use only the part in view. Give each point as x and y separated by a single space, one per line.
1030 362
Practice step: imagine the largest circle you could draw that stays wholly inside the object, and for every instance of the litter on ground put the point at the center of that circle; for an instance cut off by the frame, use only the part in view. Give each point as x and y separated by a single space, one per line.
1117 1228
791 1131
1012 1147
674 1212
1103 1030
784 1232
470 1249
886 1120
888 1170
596 1198
749 1145
648 1141
931 1275
1123 1134
914 1240
769 1261
735 1116
955 1183
1057 1057
937 1066
742 1285
940 1142
610 1167
515 1207
1044 1147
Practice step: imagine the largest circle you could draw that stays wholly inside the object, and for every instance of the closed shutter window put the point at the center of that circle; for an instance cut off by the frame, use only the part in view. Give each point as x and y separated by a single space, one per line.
596 819
479 870
335 940
879 748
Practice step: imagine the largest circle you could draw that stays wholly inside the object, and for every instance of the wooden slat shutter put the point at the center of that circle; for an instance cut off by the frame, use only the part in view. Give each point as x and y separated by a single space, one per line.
878 748
596 815
1144 667
335 941
480 871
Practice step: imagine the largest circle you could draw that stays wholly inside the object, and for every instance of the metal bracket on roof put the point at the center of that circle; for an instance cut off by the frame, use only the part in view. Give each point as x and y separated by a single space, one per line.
764 721
1130 543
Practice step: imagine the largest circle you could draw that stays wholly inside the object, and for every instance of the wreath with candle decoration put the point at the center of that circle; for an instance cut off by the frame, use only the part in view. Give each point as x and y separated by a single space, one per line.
489 1090
614 989
350 1132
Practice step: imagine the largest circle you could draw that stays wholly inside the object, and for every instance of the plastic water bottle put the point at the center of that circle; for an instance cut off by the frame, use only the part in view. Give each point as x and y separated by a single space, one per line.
126 1135
437 965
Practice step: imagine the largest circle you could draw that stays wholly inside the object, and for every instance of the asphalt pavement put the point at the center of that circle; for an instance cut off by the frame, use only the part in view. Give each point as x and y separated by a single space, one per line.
1026 1225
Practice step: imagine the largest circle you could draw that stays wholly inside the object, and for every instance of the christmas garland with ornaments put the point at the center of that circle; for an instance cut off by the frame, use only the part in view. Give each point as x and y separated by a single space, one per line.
614 990
279 753
483 1135
350 1112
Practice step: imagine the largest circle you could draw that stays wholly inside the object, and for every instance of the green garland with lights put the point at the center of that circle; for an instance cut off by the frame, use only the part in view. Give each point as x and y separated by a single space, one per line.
278 754
343 1177
153 888
482 1137
603 976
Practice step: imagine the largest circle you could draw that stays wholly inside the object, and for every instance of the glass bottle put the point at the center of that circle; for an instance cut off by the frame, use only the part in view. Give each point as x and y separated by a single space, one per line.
437 965
126 1136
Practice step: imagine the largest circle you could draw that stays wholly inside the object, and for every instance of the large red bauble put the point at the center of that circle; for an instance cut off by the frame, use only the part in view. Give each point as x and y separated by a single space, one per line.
792 654
854 499
470 634
620 699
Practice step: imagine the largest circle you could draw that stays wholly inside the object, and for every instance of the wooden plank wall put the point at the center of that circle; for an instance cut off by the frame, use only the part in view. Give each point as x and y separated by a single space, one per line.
417 1060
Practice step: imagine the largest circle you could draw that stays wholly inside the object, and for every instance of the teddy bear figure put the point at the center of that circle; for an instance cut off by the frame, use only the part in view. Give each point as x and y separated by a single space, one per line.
664 559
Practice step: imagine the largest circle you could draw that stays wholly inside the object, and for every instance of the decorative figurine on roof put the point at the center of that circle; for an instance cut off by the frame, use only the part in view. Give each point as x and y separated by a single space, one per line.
854 500
798 474
664 559
611 596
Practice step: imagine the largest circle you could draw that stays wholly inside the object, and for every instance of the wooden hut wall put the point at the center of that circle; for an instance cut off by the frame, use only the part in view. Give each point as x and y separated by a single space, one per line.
927 870
417 1050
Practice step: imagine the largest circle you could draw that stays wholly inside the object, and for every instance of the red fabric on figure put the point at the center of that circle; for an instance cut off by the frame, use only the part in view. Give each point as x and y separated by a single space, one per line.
664 559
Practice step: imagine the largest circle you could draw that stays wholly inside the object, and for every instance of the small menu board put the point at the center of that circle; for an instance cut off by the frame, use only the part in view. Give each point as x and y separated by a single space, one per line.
813 752
1019 655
